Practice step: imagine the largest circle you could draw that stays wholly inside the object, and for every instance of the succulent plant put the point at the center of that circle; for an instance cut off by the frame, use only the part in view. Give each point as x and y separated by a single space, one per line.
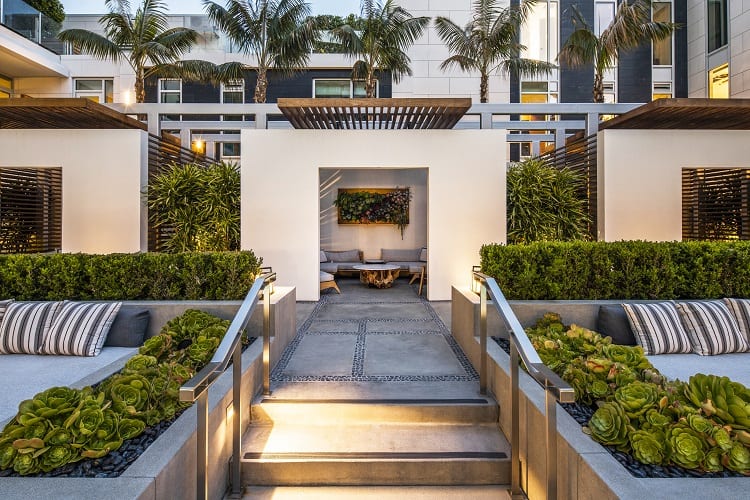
712 460
157 346
637 398
140 362
686 446
609 425
647 448
738 459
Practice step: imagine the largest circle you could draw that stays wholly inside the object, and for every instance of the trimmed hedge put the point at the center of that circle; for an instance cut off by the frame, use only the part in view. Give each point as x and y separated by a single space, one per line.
619 270
140 276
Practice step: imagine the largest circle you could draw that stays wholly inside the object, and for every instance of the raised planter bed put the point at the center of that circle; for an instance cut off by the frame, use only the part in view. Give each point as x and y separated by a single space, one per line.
585 468
167 468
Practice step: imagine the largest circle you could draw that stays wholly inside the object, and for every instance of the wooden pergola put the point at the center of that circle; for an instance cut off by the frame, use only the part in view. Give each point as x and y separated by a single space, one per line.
685 113
62 113
336 114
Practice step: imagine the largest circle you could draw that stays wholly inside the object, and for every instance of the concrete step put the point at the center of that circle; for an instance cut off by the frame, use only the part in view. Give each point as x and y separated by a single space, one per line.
377 493
342 411
375 454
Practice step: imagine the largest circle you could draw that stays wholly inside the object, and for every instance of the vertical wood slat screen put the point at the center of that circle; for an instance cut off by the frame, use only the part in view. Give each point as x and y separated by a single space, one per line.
579 155
715 204
30 210
163 154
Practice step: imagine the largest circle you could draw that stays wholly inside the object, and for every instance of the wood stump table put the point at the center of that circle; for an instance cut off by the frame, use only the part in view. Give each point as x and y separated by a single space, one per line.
378 275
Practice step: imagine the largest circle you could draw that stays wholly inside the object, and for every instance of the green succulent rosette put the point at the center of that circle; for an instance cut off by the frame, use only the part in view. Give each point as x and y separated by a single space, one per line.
637 398
7 453
700 424
647 448
599 389
57 456
609 425
712 460
580 381
130 393
130 428
59 436
140 362
26 464
621 374
738 459
156 347
201 350
630 356
656 419
687 447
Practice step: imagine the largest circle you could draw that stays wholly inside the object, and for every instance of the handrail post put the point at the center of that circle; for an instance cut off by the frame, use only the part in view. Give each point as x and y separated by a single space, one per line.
515 452
236 421
483 339
267 342
202 468
551 405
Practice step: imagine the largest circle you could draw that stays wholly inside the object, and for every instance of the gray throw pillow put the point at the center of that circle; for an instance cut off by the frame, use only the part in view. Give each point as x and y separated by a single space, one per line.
612 321
129 328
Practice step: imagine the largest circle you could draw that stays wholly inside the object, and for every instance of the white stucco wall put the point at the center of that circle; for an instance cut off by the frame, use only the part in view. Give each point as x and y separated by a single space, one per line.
640 190
103 171
281 196
370 238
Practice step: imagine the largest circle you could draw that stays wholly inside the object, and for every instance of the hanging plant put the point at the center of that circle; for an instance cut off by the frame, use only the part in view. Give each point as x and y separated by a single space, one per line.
374 206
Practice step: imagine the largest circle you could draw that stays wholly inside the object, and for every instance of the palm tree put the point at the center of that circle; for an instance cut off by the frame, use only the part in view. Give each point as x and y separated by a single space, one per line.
279 33
148 44
489 43
630 27
381 44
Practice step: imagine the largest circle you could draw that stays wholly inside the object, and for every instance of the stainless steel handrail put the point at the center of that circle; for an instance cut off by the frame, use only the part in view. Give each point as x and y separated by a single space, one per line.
555 389
196 389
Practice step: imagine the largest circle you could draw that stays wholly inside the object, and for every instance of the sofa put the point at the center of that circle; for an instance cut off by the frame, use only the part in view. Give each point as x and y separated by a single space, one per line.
610 318
26 374
337 261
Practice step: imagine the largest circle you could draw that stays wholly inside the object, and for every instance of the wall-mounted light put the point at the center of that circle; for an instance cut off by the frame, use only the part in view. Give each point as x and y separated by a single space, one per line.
476 283
198 146
127 98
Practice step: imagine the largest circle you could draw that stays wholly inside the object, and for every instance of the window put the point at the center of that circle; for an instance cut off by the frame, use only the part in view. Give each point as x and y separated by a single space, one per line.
604 14
718 82
233 92
6 87
30 210
610 94
97 90
537 92
662 90
539 32
170 90
717 24
662 12
332 88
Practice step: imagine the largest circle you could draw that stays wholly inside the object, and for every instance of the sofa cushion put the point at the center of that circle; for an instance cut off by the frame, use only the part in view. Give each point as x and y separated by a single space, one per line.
324 276
25 325
712 328
423 255
3 306
740 309
344 256
323 256
129 327
400 255
80 328
329 267
612 321
657 328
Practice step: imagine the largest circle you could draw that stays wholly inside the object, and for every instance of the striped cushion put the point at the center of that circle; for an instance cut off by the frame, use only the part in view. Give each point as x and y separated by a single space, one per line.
712 328
25 325
657 328
3 306
740 309
80 328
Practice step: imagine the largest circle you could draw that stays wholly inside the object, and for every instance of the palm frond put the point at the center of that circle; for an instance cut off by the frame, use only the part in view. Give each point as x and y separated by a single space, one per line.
92 44
199 71
526 67
580 48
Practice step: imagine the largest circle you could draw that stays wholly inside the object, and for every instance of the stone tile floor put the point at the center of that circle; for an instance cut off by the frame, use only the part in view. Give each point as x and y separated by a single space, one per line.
372 335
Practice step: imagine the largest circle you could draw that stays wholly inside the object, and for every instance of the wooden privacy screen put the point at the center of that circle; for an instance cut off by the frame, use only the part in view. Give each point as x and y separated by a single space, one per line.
715 204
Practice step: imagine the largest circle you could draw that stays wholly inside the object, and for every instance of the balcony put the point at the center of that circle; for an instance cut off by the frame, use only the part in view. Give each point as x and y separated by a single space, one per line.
31 24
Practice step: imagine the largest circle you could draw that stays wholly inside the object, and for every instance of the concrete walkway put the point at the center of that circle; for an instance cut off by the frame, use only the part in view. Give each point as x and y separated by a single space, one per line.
376 343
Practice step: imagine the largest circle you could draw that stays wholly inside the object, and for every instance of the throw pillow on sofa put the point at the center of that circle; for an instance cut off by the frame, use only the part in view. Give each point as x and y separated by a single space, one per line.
80 328
129 327
657 328
740 309
3 306
345 256
25 326
612 321
712 328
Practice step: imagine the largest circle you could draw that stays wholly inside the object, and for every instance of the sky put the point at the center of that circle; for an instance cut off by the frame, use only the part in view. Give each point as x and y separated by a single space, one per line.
337 7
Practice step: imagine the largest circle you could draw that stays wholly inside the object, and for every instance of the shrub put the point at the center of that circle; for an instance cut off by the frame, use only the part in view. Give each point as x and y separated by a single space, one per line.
62 425
544 204
619 270
142 276
200 204
700 424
